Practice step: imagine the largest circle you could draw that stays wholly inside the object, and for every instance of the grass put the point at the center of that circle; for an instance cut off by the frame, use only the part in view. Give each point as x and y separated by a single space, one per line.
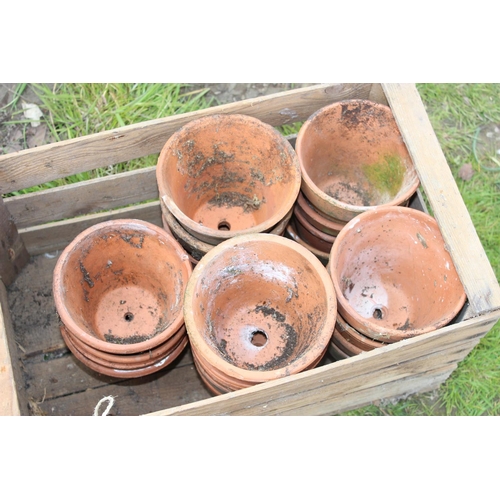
456 112
74 110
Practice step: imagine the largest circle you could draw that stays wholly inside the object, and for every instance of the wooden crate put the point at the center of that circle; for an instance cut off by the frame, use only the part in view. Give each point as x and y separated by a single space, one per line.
39 375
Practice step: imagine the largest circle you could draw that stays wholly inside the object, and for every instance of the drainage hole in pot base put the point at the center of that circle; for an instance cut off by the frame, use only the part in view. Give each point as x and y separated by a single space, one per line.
378 313
128 316
224 226
258 338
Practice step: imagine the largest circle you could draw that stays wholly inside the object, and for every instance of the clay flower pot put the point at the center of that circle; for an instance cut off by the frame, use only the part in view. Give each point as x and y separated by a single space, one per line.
353 158
119 286
393 276
226 175
127 361
196 248
316 238
317 219
354 337
344 345
126 373
258 308
292 234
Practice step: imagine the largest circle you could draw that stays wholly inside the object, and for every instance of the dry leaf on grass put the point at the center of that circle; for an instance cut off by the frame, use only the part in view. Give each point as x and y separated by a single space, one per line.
32 112
466 172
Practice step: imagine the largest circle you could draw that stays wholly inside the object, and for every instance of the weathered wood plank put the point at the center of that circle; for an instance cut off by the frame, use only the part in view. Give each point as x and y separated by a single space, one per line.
53 161
83 198
363 390
13 253
343 376
469 257
9 372
176 387
377 94
53 378
56 235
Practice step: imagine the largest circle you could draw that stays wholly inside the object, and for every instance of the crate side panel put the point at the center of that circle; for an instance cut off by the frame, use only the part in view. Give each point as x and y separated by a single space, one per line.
459 233
10 373
172 386
56 235
53 161
83 198
371 365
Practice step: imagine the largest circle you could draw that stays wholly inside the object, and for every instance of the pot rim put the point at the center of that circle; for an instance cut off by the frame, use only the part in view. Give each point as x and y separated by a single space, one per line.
59 293
326 203
215 236
203 350
291 231
322 219
163 362
299 215
128 361
370 329
350 333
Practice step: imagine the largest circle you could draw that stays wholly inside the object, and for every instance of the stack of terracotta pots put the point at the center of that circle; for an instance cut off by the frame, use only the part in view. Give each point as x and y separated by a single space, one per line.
222 176
258 308
393 278
352 158
119 291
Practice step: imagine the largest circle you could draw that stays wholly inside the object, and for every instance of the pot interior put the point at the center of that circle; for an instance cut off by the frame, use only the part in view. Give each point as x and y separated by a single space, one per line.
353 152
229 173
124 284
260 305
394 272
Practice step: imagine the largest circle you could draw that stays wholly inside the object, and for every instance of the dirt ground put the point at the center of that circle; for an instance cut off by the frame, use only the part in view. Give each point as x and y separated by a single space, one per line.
15 137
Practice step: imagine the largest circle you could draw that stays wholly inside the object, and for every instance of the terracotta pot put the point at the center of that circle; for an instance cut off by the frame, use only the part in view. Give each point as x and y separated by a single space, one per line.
219 382
354 337
336 353
196 248
119 286
291 233
226 175
192 259
320 221
126 373
128 361
353 158
343 344
393 276
193 246
311 234
257 308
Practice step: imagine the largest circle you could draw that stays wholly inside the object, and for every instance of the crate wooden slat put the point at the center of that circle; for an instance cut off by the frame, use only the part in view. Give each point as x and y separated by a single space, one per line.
446 202
53 161
39 375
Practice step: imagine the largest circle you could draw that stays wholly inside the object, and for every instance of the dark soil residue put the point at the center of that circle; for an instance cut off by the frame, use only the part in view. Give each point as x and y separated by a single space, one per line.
133 339
129 238
199 163
349 193
232 199
289 337
355 113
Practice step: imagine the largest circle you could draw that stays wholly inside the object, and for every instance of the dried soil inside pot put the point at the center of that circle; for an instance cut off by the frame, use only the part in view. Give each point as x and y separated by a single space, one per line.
119 286
225 175
353 157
